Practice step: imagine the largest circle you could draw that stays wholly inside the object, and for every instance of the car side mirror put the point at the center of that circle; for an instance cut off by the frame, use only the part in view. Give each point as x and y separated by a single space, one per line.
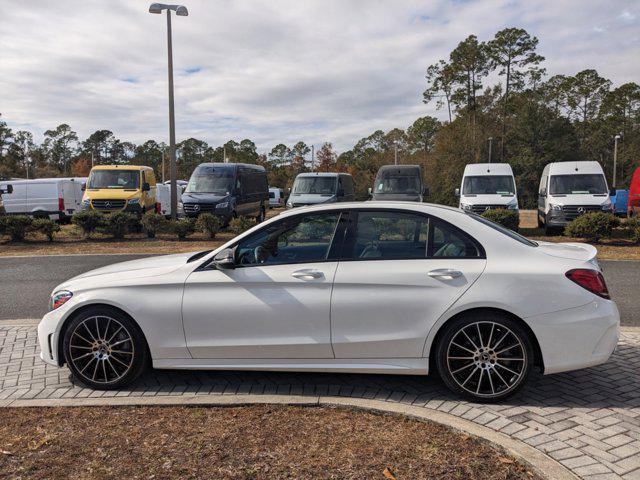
225 260
9 189
370 190
83 187
146 187
457 192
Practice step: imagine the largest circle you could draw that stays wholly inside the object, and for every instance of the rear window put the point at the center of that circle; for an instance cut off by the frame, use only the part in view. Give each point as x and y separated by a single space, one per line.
505 231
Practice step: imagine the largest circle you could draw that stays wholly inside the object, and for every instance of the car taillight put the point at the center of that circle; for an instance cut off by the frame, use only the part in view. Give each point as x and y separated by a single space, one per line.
158 208
591 280
61 204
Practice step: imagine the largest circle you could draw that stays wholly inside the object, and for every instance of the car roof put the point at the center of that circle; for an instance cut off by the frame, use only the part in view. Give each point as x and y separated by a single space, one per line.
488 169
574 168
372 204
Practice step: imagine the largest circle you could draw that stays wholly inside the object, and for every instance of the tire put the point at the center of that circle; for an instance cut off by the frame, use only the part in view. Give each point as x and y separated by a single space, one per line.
460 355
88 347
549 230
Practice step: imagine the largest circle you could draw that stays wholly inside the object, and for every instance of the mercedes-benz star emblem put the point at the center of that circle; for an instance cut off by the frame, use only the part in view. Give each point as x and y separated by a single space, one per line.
580 209
107 204
196 207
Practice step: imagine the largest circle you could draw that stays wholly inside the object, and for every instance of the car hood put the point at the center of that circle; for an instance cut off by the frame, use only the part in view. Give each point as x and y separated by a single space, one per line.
573 251
488 199
144 267
583 199
203 197
311 198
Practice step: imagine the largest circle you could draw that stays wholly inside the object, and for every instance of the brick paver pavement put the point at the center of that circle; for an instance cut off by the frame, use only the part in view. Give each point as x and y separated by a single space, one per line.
588 420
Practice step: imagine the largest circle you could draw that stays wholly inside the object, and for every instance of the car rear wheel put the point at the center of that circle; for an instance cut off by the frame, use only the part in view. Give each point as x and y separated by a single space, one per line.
104 349
485 357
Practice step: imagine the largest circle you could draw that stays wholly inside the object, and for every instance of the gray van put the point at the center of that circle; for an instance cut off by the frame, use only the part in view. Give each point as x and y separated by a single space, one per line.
315 188
227 190
399 182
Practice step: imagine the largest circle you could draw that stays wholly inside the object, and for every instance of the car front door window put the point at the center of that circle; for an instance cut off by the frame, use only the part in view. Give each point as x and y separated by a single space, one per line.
300 239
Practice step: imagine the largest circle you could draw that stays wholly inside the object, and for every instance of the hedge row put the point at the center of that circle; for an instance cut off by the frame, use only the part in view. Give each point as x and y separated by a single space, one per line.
598 225
119 224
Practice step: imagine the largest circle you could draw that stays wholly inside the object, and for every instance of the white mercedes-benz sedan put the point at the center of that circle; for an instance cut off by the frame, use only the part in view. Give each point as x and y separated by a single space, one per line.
375 287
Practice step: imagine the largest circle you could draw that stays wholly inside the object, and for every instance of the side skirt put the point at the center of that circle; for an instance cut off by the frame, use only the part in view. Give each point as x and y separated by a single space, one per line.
396 366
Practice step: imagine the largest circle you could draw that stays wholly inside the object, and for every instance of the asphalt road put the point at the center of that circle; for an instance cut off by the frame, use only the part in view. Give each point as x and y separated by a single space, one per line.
26 282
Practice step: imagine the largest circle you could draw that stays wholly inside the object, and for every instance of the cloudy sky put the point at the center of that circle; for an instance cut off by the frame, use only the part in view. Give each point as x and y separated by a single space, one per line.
277 70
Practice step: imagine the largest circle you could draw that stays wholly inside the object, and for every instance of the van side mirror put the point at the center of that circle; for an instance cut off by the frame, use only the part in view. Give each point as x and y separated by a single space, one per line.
613 192
9 189
457 192
370 191
543 192
425 191
146 187
225 260
83 187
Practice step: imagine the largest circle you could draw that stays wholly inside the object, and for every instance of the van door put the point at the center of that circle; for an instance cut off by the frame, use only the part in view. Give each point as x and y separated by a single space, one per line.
543 191
42 198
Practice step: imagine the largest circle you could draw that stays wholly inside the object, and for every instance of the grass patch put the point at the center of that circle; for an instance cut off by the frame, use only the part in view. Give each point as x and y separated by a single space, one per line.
261 442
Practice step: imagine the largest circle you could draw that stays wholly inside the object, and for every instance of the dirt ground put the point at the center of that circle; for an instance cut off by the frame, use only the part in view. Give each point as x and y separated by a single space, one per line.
69 241
254 442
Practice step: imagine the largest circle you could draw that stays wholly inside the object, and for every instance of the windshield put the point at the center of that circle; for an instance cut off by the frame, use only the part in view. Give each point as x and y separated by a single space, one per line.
578 184
504 230
315 185
489 185
126 179
398 184
207 179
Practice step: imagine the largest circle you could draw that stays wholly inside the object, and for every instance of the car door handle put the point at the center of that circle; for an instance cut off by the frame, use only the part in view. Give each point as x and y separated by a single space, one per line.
445 273
307 274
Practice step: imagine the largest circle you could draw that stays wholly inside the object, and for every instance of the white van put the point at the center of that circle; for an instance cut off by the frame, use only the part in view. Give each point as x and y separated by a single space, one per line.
163 196
54 198
570 189
486 186
315 188
276 197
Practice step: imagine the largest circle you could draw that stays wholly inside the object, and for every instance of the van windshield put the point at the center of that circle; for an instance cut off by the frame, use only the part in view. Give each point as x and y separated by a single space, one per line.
488 185
584 184
315 185
126 179
398 184
207 179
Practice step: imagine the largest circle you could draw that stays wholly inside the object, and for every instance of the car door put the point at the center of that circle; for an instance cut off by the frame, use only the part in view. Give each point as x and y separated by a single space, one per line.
276 302
399 272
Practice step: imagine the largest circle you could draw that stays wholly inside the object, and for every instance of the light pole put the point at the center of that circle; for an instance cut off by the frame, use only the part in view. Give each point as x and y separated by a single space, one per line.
615 158
182 12
490 139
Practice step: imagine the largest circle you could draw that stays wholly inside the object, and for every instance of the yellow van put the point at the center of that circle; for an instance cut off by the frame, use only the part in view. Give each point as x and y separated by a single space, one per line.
113 188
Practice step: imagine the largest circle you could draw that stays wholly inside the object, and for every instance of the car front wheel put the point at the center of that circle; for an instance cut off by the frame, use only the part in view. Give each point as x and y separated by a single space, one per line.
485 357
104 349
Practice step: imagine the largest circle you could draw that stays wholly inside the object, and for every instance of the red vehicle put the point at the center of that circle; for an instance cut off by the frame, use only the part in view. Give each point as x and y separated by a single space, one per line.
633 209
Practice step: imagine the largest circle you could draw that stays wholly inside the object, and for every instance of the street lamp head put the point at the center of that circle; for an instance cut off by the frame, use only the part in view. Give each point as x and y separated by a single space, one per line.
180 10
617 137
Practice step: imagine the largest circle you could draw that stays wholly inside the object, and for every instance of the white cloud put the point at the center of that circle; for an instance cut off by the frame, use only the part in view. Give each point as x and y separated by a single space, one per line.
283 70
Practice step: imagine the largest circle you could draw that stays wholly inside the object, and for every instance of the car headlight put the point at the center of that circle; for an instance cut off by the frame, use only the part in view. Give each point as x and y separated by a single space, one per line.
60 298
553 206
133 201
512 206
607 207
222 205
180 207
465 206
86 202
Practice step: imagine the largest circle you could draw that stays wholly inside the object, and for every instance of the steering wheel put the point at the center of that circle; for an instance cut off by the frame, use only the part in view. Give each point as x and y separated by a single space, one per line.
260 254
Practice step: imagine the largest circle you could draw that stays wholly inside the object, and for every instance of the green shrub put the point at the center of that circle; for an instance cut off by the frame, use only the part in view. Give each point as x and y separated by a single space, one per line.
88 221
17 226
118 224
3 225
153 224
208 224
183 228
632 226
504 217
241 224
45 226
592 226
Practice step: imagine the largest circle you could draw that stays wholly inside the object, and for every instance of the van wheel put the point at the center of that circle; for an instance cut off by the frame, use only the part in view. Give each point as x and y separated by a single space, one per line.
484 357
260 218
104 349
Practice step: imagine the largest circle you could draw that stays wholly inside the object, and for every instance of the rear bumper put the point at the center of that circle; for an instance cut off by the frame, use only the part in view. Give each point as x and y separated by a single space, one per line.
577 338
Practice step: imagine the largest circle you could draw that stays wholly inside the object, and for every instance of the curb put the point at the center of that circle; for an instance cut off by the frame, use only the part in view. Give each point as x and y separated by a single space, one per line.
542 464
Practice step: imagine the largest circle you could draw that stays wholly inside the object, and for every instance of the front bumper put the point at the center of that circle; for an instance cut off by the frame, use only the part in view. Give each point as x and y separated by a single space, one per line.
49 330
577 338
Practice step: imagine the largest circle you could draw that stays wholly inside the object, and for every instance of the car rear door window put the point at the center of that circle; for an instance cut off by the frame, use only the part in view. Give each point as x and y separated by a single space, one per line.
299 239
396 235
